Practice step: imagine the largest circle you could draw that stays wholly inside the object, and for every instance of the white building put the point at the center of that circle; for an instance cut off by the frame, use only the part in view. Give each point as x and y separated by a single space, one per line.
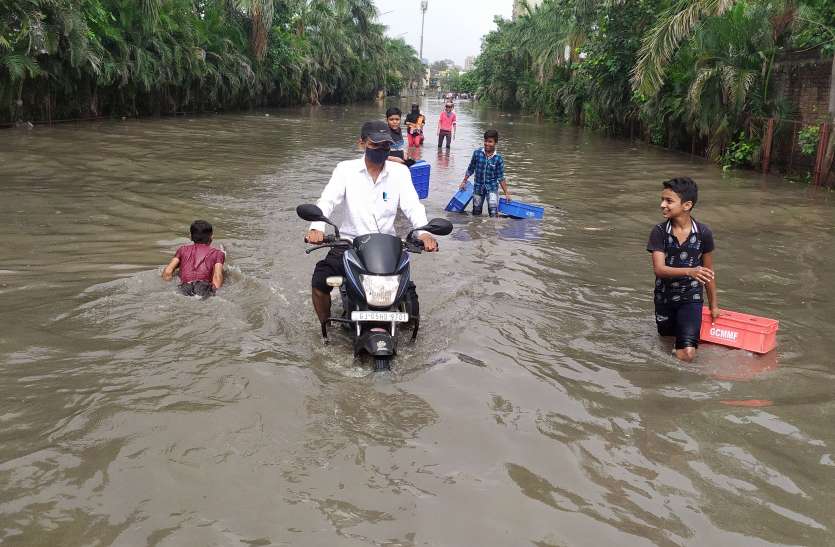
469 63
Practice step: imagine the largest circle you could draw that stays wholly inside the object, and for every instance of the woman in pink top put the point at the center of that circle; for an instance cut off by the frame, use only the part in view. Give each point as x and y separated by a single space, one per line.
446 126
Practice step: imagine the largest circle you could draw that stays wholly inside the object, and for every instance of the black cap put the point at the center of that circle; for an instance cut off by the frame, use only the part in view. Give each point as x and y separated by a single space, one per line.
377 132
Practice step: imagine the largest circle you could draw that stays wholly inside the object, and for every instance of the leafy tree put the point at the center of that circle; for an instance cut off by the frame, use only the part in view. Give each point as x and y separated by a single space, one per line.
440 66
681 71
80 58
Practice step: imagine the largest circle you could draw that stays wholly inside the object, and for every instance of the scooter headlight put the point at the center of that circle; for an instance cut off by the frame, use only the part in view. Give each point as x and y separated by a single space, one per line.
380 290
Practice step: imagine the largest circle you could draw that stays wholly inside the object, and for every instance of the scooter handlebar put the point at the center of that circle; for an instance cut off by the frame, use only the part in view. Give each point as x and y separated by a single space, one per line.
326 239
414 246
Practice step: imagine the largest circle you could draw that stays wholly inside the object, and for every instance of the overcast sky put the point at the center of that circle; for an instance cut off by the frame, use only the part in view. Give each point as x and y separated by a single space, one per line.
453 27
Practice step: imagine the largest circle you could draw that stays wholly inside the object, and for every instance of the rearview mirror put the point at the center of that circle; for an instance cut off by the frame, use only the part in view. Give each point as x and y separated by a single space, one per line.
438 227
311 213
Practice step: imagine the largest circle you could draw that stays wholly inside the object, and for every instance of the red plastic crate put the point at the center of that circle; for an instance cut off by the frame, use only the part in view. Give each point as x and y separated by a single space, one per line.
739 330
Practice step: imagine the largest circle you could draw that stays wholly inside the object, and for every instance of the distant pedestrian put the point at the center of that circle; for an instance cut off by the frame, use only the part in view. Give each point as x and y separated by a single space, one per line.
200 264
488 167
682 259
447 125
414 127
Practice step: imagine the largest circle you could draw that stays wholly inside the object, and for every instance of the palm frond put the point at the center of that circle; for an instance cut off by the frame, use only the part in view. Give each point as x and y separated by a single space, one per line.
19 66
694 94
728 75
660 44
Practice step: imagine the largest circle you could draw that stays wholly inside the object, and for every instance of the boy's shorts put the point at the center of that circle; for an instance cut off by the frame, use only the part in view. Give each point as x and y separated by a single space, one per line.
329 266
203 289
684 321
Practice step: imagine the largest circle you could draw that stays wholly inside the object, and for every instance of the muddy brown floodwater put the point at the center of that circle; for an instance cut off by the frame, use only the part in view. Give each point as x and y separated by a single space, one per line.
538 407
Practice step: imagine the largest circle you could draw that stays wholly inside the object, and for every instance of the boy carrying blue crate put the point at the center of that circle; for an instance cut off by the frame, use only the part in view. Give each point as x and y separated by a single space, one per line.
682 259
488 167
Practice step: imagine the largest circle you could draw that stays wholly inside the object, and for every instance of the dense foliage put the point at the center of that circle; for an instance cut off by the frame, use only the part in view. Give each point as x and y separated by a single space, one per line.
678 71
64 59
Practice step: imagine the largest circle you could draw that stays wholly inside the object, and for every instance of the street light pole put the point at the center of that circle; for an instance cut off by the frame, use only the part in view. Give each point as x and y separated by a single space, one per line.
424 4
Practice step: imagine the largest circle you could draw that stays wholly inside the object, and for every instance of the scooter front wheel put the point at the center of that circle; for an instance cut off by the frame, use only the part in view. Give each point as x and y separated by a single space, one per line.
382 363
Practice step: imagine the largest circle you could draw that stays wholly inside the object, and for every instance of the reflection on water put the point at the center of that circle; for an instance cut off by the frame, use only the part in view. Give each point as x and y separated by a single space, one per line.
538 406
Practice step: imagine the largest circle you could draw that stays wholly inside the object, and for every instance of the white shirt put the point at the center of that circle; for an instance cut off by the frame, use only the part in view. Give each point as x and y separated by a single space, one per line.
370 207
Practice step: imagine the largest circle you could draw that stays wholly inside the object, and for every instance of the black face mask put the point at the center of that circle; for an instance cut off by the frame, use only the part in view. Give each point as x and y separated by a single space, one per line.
377 156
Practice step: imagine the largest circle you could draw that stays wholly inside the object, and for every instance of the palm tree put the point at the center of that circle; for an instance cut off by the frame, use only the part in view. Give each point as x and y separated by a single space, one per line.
38 37
660 44
726 55
75 58
544 34
260 14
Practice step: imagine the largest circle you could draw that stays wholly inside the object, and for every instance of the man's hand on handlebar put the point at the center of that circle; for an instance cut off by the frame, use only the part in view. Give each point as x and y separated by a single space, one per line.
315 237
429 243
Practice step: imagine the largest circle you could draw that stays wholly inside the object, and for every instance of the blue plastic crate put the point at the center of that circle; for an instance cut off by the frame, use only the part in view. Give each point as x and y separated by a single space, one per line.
460 200
517 209
420 178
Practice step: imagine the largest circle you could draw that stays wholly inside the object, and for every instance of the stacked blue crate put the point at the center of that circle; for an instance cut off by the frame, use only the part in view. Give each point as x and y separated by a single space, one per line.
420 178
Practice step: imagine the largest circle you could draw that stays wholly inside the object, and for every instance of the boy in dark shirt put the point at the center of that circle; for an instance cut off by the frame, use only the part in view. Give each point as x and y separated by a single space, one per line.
398 146
200 264
682 258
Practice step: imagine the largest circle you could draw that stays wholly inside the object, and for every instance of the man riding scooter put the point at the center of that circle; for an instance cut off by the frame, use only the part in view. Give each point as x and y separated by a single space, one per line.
371 190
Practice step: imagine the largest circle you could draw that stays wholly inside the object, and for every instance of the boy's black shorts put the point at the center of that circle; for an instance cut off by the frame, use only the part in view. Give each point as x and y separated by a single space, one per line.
684 321
329 266
198 288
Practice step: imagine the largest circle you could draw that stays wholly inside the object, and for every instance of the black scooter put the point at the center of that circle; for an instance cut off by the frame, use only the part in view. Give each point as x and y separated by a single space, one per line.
378 293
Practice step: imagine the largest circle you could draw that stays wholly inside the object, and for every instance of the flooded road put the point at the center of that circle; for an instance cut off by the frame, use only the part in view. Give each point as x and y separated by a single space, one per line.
538 407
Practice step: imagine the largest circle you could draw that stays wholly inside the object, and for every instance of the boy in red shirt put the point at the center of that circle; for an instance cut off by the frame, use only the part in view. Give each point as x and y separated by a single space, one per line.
446 126
200 264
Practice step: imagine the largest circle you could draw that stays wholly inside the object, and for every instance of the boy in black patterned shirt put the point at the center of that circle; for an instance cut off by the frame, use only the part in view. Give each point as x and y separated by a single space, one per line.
682 258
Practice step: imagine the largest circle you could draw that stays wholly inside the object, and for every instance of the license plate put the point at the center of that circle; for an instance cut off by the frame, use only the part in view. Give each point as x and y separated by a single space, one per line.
381 316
